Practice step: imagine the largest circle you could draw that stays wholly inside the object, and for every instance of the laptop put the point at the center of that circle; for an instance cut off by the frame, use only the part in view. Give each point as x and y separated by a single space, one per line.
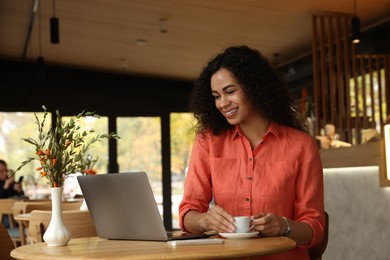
122 206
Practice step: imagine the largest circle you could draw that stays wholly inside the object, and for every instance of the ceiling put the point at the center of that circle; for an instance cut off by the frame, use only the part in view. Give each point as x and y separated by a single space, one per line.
167 38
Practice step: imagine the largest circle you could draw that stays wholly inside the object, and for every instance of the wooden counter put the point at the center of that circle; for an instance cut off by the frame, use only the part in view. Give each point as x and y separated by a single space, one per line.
368 154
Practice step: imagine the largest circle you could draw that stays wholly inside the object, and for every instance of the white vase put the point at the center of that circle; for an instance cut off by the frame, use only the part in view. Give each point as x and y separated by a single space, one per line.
84 206
57 234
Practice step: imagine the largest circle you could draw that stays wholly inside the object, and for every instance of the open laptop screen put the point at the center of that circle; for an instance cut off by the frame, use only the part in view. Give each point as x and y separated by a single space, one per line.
122 206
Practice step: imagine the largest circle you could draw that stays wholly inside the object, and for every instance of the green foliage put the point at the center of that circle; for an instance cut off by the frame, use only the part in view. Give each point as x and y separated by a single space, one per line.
182 138
140 147
63 149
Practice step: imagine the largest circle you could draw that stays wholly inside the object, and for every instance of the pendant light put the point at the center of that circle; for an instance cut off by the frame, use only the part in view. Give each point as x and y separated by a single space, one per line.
54 26
355 26
40 60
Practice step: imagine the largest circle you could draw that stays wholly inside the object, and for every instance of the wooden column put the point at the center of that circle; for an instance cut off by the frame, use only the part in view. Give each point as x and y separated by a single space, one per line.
350 91
331 63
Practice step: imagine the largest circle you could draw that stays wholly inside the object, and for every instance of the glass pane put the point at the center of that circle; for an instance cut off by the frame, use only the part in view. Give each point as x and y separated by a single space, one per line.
139 149
182 138
97 150
372 99
13 127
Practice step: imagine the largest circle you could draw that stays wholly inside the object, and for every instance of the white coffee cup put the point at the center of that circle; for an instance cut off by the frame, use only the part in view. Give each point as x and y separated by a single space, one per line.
242 224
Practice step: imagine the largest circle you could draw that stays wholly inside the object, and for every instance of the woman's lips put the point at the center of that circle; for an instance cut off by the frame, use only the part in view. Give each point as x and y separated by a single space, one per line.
230 112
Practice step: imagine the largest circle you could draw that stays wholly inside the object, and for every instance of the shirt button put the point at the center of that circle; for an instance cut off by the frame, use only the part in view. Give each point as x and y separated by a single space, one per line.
247 199
250 159
250 178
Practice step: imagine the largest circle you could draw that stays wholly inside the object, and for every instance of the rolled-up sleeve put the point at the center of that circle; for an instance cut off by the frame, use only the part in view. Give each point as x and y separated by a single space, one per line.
309 201
197 188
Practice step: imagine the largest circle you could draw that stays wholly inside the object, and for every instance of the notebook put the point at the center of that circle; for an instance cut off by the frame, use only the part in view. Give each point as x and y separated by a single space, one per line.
122 206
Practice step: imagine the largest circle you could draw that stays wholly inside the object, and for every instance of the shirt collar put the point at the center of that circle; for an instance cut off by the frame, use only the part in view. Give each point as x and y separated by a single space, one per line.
273 129
237 132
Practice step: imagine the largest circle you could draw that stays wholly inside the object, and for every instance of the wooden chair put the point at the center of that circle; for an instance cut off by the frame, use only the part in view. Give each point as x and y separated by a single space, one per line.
6 206
74 205
317 251
6 244
23 207
26 206
6 210
78 222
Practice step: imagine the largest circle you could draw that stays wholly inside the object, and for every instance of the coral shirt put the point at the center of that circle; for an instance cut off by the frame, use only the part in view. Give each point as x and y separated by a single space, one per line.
282 175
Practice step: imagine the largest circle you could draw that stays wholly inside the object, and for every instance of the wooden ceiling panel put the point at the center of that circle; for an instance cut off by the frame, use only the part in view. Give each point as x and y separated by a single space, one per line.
103 34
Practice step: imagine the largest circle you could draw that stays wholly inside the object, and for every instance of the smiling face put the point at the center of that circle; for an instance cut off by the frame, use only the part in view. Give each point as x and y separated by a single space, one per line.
230 98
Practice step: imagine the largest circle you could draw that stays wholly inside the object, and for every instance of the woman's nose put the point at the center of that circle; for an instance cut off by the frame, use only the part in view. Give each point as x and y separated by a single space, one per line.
224 101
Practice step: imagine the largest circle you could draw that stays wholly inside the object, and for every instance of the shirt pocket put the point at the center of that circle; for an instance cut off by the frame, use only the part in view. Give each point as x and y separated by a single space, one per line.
279 178
224 175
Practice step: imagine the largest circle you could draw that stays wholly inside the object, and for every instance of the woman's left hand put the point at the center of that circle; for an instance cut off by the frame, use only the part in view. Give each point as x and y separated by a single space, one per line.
268 224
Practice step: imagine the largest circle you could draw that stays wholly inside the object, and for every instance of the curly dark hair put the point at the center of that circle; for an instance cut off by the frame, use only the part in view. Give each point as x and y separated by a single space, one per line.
261 83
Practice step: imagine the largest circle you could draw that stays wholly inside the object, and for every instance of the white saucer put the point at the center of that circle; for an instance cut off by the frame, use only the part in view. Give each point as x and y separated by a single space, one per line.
239 235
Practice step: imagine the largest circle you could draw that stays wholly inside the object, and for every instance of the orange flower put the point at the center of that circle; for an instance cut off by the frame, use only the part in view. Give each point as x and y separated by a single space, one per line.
39 168
90 172
55 184
43 174
53 161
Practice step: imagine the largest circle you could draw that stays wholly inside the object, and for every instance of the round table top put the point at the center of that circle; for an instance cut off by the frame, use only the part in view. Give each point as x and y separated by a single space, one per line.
23 217
97 248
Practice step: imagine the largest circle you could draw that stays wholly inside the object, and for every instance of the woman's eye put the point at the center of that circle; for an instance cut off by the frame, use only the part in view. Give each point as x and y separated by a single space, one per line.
230 91
215 97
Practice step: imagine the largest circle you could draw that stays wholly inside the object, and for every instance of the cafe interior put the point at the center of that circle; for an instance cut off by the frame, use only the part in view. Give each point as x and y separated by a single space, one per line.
134 62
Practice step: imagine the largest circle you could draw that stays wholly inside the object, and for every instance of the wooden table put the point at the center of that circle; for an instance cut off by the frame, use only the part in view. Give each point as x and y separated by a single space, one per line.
97 248
23 217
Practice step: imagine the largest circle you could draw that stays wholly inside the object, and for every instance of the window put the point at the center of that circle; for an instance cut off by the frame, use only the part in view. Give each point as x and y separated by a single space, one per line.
182 138
371 104
98 149
13 127
139 149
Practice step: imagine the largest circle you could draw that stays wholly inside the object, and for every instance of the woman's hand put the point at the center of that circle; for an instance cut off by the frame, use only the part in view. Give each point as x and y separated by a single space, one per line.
268 224
218 219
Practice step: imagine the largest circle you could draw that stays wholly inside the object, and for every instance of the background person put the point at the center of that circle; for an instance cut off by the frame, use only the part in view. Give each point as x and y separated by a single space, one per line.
252 155
8 186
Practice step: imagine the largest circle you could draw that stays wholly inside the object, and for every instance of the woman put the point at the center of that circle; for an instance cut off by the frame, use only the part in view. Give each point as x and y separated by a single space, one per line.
252 155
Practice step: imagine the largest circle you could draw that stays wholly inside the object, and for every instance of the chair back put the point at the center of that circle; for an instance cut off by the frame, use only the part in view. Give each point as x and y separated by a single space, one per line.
317 251
73 205
78 222
6 244
26 206
23 207
6 206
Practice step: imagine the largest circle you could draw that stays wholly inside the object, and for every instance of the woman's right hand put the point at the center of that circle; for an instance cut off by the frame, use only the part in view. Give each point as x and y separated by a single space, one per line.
218 219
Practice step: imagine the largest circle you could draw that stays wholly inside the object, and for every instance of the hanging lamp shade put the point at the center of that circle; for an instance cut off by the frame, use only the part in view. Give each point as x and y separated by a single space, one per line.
355 24
54 30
